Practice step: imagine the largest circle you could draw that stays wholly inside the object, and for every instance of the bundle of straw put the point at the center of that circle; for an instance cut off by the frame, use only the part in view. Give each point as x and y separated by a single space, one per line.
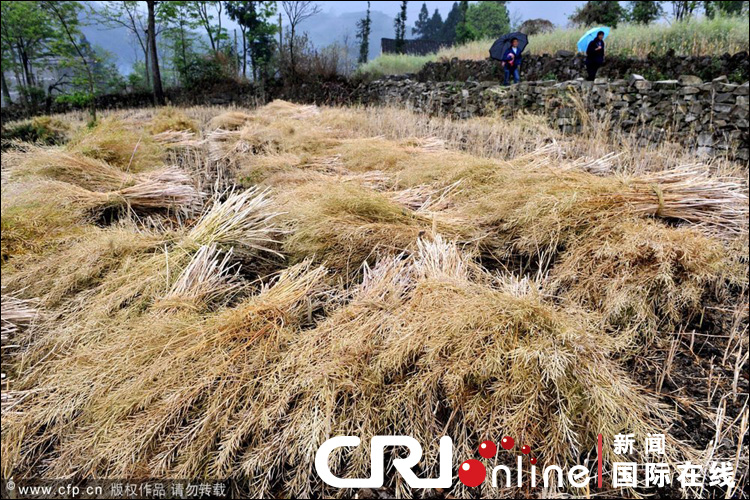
177 139
242 221
169 188
427 144
15 314
425 198
209 278
77 169
691 194
231 120
253 138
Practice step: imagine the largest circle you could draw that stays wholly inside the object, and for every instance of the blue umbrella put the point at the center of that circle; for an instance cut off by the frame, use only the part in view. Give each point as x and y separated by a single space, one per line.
583 43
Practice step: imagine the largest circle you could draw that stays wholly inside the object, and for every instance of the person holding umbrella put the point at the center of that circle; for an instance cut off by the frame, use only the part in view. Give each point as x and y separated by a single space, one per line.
595 55
592 43
507 49
512 62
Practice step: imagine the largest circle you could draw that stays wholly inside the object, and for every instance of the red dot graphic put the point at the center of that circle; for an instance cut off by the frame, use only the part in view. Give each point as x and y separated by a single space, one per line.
472 473
533 461
487 449
507 442
525 449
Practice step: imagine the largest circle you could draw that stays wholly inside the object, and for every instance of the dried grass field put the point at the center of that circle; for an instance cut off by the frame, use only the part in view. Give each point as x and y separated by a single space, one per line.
213 292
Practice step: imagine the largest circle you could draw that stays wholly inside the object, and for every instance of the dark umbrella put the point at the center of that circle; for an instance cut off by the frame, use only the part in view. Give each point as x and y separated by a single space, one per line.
501 45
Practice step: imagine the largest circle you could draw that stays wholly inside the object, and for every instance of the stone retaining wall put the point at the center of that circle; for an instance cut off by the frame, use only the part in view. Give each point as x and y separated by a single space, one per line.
710 116
566 65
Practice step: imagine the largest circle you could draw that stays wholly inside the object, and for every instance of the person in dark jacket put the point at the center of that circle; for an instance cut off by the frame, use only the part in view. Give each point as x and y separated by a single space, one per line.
512 62
595 55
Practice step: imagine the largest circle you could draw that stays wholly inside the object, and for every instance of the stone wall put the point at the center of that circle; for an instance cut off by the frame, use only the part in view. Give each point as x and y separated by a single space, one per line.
710 116
566 65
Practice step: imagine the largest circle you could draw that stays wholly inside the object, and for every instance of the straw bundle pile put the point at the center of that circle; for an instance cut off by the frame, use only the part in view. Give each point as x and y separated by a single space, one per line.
98 185
172 120
344 225
17 314
165 188
177 139
243 221
113 142
210 278
75 168
417 350
691 194
231 120
402 331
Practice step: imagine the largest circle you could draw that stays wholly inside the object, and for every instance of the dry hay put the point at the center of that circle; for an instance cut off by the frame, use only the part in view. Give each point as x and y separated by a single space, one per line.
96 185
244 221
646 278
80 262
420 348
112 141
345 225
73 168
165 188
691 194
171 119
35 215
284 109
17 314
209 278
273 313
261 137
231 120
401 332
173 139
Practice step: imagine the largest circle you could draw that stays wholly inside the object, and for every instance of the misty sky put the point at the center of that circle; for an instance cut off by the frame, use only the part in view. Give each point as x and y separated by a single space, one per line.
557 12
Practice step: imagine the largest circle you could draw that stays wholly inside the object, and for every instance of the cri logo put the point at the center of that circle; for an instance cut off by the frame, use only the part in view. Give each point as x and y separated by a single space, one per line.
471 472
377 451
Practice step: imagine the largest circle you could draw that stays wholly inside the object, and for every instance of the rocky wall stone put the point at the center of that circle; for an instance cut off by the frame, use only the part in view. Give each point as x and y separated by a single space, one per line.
711 117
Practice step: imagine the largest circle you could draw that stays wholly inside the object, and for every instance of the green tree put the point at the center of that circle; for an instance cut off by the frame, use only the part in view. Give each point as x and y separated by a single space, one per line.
731 8
448 31
126 14
422 23
598 12
364 27
258 30
400 26
435 26
464 32
27 29
644 12
203 14
152 7
726 8
178 36
69 45
536 26
683 9
488 19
